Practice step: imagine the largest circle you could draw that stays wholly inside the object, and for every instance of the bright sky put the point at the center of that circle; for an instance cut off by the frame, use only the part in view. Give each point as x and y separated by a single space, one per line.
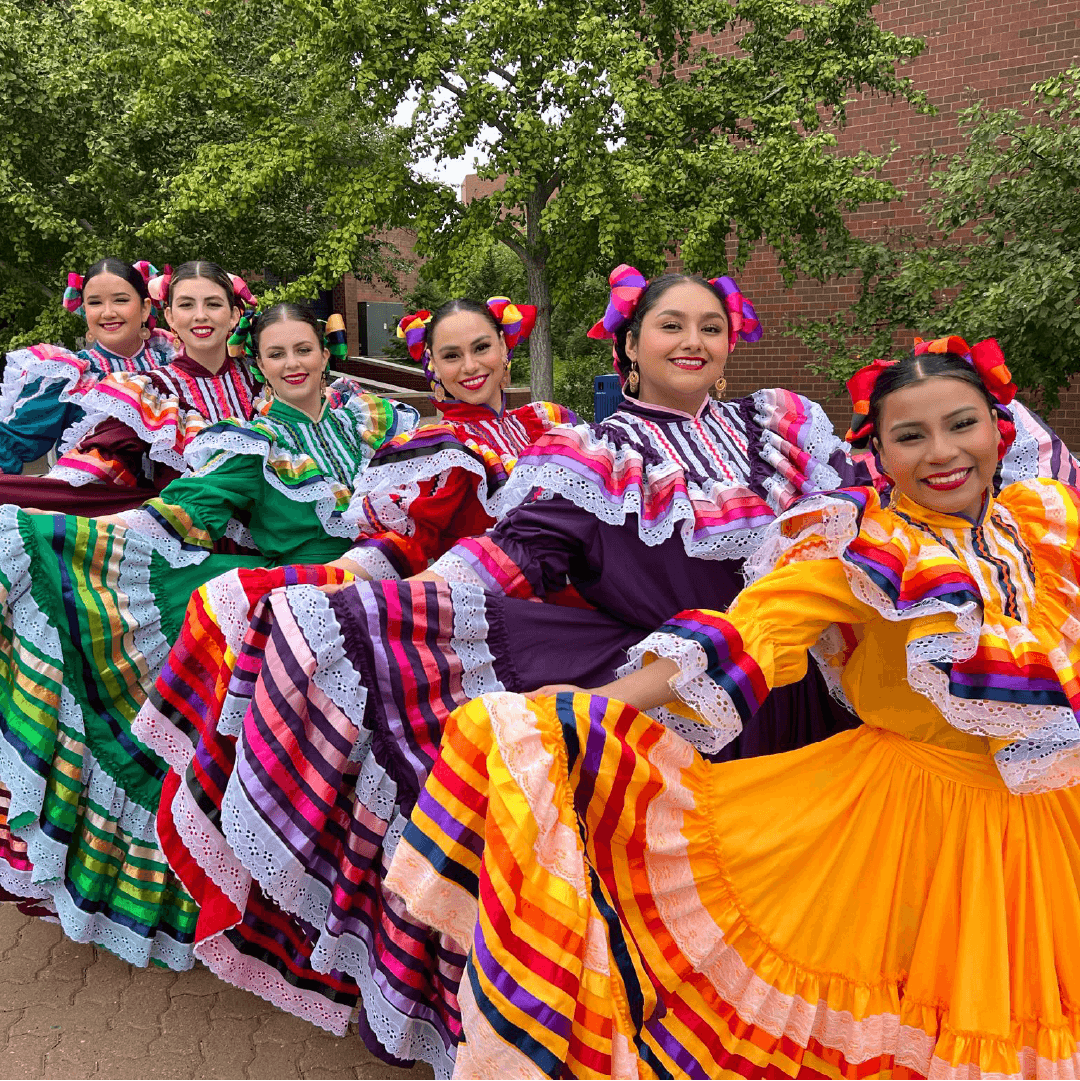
450 171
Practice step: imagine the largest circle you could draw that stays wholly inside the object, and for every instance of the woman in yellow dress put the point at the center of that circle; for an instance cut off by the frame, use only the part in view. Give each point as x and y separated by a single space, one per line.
900 900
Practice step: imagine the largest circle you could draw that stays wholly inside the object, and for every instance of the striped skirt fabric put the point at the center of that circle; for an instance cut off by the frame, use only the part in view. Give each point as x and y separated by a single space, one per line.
86 609
867 906
297 752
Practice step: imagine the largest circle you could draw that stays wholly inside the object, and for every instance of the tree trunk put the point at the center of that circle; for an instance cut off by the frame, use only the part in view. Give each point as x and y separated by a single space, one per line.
543 376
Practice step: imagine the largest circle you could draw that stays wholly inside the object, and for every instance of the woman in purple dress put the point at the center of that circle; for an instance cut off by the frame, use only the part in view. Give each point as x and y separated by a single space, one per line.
643 514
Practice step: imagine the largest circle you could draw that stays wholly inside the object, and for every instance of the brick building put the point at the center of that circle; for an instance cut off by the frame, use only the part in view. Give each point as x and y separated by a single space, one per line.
351 294
989 50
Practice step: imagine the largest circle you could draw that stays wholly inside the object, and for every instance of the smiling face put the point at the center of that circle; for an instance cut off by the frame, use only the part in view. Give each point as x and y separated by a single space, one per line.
469 358
292 359
938 441
200 313
682 347
115 313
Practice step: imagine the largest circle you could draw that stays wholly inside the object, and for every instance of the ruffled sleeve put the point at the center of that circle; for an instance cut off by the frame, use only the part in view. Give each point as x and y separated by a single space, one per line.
38 386
996 655
156 417
425 491
728 663
1037 451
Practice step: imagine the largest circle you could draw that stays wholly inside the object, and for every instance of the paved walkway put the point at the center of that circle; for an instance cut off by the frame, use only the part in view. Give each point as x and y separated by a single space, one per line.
71 1010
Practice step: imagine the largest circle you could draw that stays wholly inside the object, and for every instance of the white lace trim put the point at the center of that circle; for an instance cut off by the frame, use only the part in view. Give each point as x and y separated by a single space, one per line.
24 365
257 849
207 846
139 521
153 729
469 641
210 450
374 562
1030 765
817 438
225 961
161 443
380 481
722 721
70 475
454 569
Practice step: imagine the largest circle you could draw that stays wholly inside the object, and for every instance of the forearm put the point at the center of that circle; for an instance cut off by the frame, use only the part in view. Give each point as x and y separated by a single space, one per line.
644 689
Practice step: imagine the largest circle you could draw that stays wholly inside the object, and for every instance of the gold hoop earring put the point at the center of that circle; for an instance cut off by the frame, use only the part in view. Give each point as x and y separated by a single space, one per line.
721 386
633 378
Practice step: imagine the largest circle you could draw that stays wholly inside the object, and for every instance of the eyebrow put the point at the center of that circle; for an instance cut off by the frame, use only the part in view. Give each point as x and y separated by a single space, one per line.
476 341
708 315
920 423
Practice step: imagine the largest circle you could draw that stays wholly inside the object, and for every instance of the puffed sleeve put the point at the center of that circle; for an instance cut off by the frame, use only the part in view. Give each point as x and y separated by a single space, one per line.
407 528
111 453
729 662
196 509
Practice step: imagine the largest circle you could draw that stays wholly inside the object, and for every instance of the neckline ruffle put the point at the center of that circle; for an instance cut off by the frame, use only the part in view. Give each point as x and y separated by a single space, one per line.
629 466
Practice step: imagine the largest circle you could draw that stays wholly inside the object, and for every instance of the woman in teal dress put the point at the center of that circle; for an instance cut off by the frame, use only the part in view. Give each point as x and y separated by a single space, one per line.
43 385
89 608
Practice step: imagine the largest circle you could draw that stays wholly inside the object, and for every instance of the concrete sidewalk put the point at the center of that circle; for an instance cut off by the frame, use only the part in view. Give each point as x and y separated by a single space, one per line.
71 1010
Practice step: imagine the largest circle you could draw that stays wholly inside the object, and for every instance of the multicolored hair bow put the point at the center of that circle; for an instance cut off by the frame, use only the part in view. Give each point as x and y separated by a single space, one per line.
628 286
515 321
985 357
73 298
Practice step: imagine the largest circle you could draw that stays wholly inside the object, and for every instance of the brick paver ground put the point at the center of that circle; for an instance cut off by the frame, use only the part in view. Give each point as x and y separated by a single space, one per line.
71 1010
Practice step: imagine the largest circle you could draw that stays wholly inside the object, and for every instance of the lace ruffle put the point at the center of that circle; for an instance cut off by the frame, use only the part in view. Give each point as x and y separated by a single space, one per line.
163 425
622 467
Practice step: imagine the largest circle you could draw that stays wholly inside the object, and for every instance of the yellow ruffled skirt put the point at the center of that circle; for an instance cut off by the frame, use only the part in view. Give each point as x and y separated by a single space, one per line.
864 907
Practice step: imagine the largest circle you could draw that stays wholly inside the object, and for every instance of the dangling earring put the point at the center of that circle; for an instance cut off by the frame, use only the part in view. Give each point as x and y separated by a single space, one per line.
633 378
440 392
721 386
145 333
505 377
88 338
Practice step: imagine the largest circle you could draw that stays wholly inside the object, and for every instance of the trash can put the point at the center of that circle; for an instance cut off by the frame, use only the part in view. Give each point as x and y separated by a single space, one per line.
607 394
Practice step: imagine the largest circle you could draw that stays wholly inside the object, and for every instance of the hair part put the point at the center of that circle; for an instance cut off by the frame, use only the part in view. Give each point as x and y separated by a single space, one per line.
453 307
649 299
285 312
917 369
201 268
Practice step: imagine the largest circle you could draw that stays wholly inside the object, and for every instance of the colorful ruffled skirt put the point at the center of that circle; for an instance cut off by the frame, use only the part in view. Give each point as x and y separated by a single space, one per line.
87 610
868 906
299 741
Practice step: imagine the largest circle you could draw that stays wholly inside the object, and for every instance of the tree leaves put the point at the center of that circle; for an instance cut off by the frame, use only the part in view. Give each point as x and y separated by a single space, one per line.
997 255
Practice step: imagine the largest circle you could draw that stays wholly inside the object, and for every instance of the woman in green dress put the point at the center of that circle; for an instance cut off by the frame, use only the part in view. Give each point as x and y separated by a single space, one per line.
89 608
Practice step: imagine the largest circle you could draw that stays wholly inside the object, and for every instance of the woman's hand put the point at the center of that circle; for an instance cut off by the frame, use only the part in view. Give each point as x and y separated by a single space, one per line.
427 576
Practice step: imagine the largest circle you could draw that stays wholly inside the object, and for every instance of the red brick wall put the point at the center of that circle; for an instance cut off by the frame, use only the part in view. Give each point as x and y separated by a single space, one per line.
351 290
991 50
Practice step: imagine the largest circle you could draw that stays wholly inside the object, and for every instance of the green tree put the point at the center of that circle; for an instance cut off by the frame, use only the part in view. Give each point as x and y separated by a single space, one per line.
168 131
997 252
620 137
